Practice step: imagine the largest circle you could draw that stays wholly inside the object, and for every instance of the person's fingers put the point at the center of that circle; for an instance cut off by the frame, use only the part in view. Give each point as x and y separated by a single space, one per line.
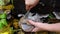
32 22
30 4
35 29
28 7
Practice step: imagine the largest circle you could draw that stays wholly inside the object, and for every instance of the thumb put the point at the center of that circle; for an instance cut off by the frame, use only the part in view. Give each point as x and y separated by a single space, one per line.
32 22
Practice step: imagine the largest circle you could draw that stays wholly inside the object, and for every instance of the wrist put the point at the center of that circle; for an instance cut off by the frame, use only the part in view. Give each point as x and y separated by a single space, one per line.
49 27
45 26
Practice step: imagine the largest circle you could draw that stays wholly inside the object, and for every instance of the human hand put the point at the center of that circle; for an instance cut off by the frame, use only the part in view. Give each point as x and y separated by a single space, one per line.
38 26
30 3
